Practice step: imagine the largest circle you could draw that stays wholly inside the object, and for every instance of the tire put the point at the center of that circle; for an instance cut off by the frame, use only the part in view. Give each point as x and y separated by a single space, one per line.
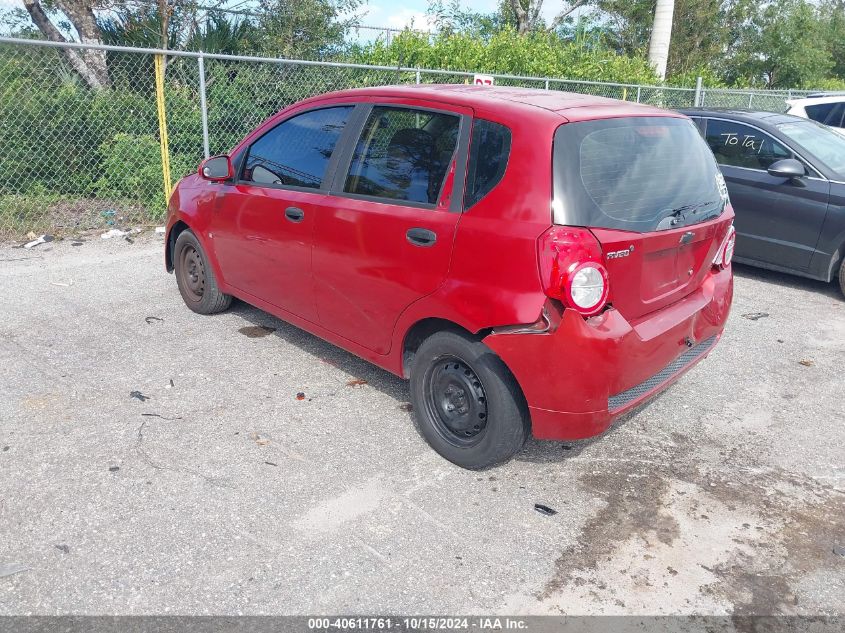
195 277
842 276
467 405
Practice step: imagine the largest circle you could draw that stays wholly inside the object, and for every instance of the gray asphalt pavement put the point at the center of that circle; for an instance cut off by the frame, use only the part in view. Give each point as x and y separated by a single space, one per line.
222 493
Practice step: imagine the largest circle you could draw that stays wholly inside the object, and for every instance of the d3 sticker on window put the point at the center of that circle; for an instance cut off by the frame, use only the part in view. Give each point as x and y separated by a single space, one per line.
722 186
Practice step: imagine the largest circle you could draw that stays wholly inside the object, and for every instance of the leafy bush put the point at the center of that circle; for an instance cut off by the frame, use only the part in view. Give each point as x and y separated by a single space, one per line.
828 84
131 170
538 54
709 78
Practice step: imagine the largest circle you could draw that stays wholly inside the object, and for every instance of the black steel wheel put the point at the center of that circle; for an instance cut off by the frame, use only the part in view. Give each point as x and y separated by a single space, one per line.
191 271
467 404
456 401
195 277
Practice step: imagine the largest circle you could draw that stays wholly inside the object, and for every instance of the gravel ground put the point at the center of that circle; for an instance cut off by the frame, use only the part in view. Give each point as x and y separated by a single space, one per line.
222 493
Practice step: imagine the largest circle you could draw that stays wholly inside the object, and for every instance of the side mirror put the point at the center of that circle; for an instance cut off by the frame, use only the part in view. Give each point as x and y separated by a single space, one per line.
787 168
216 168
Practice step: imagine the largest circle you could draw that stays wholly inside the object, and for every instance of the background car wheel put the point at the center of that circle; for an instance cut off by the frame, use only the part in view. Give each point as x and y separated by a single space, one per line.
842 276
195 277
467 405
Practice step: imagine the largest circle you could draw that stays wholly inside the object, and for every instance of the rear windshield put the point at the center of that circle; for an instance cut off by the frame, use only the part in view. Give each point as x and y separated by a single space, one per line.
635 174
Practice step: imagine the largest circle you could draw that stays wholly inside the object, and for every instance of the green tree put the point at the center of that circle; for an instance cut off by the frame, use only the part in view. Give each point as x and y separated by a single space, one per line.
217 33
701 29
699 35
221 34
453 17
142 26
89 64
784 45
305 28
833 16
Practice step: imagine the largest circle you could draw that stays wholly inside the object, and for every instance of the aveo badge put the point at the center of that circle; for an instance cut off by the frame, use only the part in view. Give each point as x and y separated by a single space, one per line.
619 254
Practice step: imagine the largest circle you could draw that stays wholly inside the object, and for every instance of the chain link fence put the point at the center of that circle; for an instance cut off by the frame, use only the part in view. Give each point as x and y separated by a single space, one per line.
75 158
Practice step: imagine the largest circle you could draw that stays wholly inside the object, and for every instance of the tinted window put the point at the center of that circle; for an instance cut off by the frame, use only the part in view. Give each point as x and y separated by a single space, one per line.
297 151
827 113
488 158
403 154
823 143
635 174
739 145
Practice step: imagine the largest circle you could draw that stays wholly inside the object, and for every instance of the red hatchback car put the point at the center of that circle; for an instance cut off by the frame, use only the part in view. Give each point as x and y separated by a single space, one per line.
534 261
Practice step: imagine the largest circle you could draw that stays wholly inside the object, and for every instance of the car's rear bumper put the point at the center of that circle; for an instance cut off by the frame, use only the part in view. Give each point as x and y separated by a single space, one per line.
579 375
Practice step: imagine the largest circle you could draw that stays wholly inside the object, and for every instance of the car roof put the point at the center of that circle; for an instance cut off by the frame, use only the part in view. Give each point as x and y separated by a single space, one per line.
570 105
748 116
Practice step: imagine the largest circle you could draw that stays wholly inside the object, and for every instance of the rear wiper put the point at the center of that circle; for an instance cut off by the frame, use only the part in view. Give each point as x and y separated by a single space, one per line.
680 213
677 213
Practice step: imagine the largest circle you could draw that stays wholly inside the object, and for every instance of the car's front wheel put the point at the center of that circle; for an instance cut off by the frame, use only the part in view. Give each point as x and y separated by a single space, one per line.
195 277
467 404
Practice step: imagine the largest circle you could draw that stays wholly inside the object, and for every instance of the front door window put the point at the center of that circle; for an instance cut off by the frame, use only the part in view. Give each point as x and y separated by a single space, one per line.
296 152
740 145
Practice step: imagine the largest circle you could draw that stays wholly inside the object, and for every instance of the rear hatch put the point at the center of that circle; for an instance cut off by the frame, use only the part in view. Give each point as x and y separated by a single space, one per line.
650 191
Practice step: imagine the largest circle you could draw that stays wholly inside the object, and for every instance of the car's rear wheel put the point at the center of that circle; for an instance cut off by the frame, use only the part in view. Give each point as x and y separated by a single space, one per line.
195 277
467 404
842 276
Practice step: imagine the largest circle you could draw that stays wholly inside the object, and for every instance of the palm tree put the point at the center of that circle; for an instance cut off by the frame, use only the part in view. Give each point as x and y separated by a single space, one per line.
661 35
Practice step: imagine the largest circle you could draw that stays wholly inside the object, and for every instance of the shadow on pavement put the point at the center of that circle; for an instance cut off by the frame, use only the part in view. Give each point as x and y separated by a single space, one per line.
534 451
357 368
744 271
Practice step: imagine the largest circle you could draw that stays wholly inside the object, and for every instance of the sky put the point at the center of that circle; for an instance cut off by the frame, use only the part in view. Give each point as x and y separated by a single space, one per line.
412 12
384 13
377 13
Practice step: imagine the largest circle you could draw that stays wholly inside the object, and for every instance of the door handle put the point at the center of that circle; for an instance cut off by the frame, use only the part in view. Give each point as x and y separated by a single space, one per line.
421 237
294 214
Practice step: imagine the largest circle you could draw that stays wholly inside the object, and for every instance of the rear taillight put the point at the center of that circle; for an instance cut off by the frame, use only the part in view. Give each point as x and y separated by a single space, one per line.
571 269
726 251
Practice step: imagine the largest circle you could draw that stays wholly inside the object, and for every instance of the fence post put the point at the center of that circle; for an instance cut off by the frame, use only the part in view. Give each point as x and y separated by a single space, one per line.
547 84
698 91
418 76
162 127
638 93
750 99
203 105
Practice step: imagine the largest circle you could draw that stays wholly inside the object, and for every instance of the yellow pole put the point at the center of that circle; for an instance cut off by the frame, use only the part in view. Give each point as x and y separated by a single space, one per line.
162 127
624 94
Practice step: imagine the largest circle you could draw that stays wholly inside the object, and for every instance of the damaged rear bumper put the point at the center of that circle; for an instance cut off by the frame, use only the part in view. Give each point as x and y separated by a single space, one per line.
579 375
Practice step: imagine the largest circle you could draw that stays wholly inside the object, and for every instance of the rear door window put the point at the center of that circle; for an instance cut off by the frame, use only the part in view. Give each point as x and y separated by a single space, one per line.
296 152
827 113
403 154
739 145
488 158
